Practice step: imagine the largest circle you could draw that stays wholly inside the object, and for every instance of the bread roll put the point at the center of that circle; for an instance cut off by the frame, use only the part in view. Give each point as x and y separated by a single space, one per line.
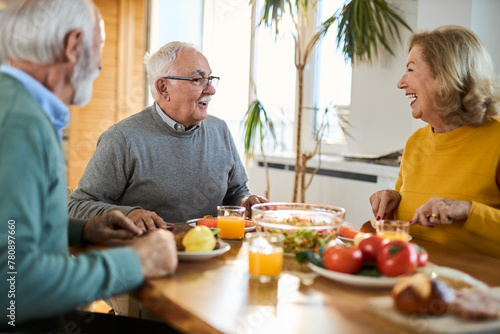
419 295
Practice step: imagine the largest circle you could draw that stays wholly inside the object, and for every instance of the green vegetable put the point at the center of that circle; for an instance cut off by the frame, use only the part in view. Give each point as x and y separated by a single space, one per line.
308 256
303 239
369 269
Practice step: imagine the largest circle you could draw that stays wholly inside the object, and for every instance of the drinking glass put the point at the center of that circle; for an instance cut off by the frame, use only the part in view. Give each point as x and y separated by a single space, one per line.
393 229
265 255
231 221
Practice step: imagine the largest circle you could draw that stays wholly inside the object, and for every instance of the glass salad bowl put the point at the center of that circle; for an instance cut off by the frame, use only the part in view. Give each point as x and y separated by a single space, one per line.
304 226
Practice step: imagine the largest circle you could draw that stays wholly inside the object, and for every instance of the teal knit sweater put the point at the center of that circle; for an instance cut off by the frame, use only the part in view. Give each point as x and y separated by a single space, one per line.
44 279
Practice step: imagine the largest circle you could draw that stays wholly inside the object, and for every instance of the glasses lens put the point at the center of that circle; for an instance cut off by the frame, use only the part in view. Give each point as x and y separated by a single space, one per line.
214 81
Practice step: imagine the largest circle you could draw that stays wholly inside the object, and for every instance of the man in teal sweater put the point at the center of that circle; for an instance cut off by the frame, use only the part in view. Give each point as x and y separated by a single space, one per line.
53 49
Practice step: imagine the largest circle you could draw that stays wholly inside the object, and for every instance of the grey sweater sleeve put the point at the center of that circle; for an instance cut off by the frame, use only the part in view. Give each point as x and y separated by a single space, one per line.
104 179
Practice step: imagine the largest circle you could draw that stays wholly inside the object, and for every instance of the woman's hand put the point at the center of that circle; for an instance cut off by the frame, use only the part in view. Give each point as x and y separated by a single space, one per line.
384 202
440 210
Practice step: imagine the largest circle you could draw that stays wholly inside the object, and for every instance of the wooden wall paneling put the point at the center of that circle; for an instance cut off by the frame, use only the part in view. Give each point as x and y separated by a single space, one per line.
125 49
119 90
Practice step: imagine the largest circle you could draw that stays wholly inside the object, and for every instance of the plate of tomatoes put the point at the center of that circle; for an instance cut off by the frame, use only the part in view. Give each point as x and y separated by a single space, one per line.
355 280
374 262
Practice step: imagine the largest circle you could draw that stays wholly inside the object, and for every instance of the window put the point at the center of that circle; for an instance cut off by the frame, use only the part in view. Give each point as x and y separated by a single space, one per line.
333 78
173 20
329 81
222 29
274 79
226 44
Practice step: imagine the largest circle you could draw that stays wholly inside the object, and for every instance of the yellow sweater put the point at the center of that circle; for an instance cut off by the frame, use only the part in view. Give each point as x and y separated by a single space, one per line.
461 164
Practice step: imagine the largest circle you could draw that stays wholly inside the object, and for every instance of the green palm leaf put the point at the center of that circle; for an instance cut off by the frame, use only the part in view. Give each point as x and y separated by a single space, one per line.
365 24
257 121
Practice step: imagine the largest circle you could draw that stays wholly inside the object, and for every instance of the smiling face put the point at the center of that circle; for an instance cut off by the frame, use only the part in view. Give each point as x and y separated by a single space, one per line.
184 101
420 87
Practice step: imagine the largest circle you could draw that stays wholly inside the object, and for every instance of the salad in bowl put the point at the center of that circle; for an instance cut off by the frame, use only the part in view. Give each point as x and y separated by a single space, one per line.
304 226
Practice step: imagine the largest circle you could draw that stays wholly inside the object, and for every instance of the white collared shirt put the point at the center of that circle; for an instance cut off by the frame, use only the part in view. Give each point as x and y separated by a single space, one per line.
173 124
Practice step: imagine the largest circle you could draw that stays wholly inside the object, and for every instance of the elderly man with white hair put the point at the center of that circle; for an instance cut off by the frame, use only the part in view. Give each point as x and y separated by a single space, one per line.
51 50
171 161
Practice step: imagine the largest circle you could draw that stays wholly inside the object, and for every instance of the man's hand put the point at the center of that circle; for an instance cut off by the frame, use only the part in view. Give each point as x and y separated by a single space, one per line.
146 220
253 199
384 202
158 253
112 225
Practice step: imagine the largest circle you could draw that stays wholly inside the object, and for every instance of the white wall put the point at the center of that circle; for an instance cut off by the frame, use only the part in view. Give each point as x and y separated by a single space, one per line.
380 115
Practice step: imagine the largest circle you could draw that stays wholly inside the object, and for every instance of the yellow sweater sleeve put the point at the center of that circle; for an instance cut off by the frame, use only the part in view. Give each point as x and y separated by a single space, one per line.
484 220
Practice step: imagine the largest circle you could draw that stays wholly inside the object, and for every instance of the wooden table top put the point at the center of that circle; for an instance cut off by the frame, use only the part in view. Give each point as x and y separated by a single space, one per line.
216 295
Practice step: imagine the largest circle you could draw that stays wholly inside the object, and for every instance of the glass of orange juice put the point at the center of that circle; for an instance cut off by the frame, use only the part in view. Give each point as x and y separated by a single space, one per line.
231 221
393 229
265 255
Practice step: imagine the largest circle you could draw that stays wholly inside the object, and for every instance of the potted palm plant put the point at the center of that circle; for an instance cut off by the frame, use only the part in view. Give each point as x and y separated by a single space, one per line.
363 27
258 123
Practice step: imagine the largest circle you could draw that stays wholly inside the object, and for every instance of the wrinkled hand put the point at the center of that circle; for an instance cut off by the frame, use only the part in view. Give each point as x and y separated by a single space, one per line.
441 211
254 199
112 225
384 202
146 220
158 253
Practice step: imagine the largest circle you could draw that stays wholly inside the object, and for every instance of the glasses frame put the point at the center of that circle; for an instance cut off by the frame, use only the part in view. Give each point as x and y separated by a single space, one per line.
209 80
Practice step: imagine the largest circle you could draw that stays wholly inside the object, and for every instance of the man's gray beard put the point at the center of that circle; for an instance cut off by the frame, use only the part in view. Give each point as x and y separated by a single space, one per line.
83 78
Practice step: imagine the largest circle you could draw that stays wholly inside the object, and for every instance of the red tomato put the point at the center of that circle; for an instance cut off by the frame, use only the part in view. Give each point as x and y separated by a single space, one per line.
370 246
422 256
344 259
397 258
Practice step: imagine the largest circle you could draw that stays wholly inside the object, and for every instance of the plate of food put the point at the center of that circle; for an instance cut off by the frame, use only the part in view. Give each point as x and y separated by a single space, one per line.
220 248
355 280
447 301
431 270
212 223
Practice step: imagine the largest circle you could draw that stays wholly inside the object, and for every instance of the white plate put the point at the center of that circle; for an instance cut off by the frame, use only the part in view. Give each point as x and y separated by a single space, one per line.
430 270
355 280
199 256
192 223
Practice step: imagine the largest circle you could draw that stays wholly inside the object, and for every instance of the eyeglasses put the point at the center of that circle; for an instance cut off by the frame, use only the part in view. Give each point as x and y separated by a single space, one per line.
200 82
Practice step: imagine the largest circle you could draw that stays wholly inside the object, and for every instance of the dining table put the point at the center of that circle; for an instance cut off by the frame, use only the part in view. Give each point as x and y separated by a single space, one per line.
216 295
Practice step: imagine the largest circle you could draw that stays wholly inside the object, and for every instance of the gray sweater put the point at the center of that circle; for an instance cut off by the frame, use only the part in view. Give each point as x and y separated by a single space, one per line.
141 162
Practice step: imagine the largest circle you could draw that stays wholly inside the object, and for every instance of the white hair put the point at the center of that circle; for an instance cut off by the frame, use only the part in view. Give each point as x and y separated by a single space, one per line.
35 31
158 64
